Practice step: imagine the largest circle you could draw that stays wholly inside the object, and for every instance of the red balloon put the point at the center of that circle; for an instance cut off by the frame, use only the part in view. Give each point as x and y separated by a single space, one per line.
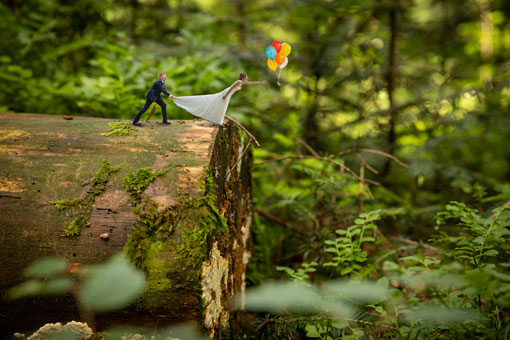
280 58
277 45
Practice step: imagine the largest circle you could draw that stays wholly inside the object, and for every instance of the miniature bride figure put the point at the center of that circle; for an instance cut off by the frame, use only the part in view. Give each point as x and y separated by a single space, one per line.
212 107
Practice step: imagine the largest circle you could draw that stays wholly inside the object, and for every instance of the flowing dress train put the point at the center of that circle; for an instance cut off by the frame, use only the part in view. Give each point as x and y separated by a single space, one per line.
211 107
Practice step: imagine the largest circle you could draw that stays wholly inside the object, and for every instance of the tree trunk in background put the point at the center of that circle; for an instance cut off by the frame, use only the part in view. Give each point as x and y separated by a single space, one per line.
135 8
311 130
241 17
390 81
486 29
45 158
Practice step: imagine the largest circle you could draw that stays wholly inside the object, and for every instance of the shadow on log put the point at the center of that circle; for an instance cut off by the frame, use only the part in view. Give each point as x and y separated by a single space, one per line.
189 229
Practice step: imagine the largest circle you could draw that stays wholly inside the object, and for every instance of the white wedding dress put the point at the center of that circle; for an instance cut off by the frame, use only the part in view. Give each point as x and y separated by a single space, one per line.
211 107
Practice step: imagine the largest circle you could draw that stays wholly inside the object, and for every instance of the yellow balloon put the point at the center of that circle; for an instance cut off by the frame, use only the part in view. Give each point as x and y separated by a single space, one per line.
271 64
286 49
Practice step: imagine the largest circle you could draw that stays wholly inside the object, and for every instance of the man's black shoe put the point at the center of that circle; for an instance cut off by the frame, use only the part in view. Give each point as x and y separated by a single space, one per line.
137 124
166 123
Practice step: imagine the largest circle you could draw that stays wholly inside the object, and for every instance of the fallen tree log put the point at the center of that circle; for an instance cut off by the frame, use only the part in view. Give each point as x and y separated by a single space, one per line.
189 229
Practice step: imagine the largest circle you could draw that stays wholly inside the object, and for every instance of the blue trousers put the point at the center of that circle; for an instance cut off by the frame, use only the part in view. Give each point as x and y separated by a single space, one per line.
148 103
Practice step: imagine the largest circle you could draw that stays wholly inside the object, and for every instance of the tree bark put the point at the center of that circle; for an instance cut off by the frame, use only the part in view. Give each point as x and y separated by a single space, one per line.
45 158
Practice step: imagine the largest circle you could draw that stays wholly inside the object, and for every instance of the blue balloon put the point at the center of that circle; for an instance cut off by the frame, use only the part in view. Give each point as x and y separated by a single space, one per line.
270 52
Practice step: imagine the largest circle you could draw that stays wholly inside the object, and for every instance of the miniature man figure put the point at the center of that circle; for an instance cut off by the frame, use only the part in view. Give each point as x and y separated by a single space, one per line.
154 96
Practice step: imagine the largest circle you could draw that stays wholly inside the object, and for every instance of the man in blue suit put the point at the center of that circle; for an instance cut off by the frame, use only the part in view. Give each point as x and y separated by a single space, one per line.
154 96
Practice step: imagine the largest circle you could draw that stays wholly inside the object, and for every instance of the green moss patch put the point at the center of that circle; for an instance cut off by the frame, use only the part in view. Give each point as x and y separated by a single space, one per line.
135 184
98 186
150 222
183 230
119 129
194 248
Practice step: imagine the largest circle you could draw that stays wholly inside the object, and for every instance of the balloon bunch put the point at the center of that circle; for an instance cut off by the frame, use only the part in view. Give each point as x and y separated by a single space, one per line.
277 55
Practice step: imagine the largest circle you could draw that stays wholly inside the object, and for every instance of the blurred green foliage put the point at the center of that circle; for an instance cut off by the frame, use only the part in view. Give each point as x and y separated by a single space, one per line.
456 287
100 288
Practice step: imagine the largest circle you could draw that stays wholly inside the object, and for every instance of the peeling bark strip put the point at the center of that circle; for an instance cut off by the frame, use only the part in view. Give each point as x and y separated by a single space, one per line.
189 229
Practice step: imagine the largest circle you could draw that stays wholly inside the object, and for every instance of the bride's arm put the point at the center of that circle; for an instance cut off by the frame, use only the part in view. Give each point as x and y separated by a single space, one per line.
231 88
256 82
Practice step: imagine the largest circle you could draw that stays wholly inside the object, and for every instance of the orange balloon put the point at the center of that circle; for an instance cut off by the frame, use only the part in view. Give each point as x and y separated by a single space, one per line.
280 58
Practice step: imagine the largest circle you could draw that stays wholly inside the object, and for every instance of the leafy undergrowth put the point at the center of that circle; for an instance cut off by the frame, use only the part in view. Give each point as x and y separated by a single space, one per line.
456 286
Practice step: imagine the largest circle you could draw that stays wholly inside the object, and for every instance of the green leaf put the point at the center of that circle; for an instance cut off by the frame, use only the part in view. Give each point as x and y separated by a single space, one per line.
112 285
383 282
311 331
279 297
492 252
390 266
46 267
184 332
363 291
410 259
440 315
276 297
27 288
57 285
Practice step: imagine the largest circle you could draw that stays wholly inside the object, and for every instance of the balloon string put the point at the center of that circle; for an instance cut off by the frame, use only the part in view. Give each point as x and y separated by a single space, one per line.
278 75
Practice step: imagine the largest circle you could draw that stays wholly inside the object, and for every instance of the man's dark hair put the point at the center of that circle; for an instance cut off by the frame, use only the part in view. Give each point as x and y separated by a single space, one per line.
242 76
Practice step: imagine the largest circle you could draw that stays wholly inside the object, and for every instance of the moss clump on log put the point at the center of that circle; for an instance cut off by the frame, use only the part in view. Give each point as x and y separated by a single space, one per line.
119 129
97 187
153 239
193 248
149 220
135 184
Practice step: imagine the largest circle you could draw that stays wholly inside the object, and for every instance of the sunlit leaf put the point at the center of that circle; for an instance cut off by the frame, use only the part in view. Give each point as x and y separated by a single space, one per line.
46 267
111 285
435 315
57 285
369 292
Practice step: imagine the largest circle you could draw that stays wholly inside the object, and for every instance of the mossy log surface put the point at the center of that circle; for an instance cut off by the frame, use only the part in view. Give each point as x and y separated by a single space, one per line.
189 229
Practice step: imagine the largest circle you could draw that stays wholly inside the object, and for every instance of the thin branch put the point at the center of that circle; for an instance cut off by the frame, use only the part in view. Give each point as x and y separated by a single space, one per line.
372 182
312 216
308 147
277 159
281 222
367 165
324 318
244 129
420 244
240 158
395 251
382 153
361 184
341 165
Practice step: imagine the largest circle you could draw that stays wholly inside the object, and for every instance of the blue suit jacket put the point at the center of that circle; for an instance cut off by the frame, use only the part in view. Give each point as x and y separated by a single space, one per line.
155 91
